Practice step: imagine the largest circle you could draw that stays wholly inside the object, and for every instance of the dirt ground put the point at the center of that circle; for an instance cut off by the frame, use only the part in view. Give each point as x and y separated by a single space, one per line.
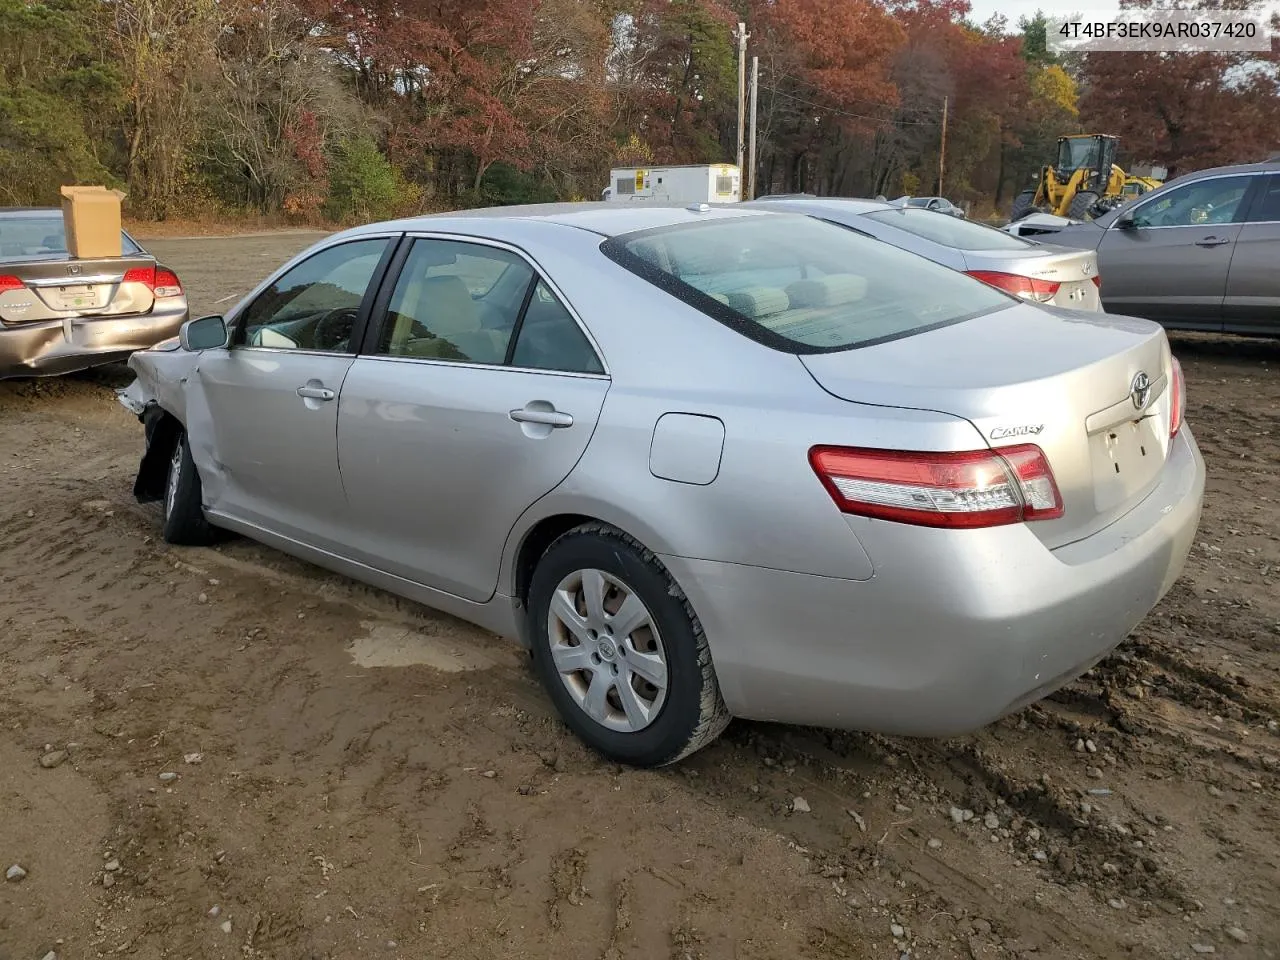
226 753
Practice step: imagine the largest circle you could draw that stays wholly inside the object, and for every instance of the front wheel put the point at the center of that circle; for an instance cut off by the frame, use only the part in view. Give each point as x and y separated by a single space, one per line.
620 651
184 520
1082 205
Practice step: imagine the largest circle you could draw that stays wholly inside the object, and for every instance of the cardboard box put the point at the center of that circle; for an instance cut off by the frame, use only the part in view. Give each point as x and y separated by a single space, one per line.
92 218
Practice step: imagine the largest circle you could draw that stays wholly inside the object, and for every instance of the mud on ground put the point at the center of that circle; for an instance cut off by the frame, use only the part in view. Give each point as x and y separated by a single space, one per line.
226 753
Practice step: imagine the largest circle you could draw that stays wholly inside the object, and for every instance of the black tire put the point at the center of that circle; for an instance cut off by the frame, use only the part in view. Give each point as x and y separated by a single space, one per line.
184 521
1023 204
693 713
1082 205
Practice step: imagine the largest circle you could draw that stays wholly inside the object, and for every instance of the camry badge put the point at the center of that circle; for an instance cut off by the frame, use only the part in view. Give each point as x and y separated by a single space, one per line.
1140 390
1022 430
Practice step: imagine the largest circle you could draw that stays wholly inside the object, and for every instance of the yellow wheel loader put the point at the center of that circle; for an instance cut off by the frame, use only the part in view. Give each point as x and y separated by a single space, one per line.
1085 183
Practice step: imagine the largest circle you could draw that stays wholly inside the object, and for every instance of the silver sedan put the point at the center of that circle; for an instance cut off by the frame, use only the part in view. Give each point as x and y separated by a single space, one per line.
1034 271
702 462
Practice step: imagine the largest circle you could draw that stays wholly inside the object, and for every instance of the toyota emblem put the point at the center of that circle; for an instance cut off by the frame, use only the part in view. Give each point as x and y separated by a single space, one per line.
1140 390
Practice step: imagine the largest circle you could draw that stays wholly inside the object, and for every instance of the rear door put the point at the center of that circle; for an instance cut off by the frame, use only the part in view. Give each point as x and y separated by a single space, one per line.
1171 265
1252 303
271 397
475 396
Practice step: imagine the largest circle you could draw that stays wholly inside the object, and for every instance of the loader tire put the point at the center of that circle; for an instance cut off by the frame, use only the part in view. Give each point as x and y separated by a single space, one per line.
1082 205
1023 204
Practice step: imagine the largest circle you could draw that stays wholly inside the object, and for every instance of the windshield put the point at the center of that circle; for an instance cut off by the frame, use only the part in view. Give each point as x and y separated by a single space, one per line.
1078 152
802 285
949 231
42 236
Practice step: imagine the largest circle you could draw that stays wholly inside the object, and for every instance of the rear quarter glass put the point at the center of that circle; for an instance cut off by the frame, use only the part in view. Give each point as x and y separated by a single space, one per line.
801 285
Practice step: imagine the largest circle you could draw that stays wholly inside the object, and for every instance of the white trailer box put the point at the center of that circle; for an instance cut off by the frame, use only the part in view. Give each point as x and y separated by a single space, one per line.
704 183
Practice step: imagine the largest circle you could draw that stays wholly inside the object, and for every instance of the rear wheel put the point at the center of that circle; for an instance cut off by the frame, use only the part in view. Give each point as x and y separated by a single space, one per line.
620 651
1082 205
184 521
1023 204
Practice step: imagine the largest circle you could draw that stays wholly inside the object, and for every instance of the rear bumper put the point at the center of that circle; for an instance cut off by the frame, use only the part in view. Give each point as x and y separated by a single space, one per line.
954 630
53 347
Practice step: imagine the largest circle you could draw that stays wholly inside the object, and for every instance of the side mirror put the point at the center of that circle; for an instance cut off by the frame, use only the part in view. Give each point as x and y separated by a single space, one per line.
203 333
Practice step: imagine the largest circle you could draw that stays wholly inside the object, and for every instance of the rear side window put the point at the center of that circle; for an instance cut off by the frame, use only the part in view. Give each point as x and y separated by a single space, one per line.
949 231
802 285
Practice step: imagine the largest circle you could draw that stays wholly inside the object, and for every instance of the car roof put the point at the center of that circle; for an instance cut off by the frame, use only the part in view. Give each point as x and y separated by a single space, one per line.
800 201
18 213
595 216
1266 166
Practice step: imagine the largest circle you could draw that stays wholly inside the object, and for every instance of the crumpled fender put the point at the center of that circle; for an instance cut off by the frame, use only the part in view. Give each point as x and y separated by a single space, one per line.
166 397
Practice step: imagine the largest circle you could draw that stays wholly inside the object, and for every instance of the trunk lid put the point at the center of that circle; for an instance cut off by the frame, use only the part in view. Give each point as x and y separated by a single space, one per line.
1061 379
1074 270
59 287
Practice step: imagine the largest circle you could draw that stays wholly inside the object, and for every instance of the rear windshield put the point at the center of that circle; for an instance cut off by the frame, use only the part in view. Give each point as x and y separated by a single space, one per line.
802 285
41 237
950 231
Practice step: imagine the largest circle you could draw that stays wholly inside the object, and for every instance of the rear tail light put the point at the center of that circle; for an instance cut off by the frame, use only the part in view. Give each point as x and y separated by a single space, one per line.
11 283
980 488
1029 288
167 283
1178 400
1097 280
161 282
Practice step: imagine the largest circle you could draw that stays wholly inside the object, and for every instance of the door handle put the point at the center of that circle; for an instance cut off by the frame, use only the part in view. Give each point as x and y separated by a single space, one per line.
550 418
1212 242
316 393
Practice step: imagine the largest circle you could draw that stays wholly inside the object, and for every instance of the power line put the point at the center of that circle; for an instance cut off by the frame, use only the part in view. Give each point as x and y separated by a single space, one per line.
856 116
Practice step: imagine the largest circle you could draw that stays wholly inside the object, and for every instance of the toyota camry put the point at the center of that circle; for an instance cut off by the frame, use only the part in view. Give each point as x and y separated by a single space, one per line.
702 463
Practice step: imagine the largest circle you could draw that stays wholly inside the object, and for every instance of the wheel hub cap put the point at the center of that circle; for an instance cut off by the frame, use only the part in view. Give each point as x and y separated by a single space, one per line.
607 650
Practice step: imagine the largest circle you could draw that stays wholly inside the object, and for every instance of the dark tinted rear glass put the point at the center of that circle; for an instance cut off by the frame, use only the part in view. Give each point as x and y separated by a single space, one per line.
41 236
800 284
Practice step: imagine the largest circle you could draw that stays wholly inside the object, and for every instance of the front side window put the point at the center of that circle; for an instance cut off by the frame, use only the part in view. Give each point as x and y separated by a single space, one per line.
802 285
314 305
949 231
1216 200
455 301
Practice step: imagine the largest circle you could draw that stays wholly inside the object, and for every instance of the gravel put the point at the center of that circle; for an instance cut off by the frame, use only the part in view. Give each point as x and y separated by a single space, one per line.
15 873
800 805
1237 934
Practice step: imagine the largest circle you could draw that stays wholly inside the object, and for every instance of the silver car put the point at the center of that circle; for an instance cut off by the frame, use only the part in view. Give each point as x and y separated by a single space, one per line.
702 462
59 314
1034 271
1201 252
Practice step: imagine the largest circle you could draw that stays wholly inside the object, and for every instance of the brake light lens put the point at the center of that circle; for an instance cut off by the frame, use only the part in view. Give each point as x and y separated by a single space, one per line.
979 488
11 283
160 281
1178 400
1029 288
1097 280
145 275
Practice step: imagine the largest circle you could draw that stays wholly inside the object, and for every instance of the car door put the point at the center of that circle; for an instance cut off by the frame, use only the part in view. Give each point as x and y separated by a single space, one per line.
1170 262
271 394
1252 303
476 395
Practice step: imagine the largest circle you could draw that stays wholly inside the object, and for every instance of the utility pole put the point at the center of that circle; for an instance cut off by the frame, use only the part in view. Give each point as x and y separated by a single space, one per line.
751 148
942 150
742 89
